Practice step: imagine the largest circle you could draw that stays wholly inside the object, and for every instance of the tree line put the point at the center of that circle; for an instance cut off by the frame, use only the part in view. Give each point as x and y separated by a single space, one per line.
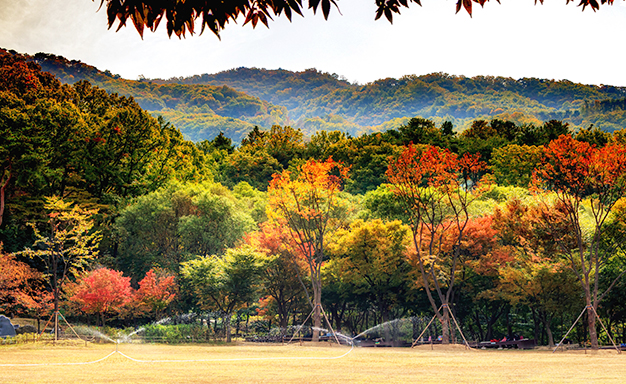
514 227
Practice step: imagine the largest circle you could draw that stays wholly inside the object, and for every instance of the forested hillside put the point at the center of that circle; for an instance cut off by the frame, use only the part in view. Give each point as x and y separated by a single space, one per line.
312 94
202 106
200 112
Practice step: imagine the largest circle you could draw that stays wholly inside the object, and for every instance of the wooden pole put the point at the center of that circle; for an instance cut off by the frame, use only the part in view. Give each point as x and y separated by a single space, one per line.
425 329
457 326
44 327
301 325
570 330
329 325
56 326
68 324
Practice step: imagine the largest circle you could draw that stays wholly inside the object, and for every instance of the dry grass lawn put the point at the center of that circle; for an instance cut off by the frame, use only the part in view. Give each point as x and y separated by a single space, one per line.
305 364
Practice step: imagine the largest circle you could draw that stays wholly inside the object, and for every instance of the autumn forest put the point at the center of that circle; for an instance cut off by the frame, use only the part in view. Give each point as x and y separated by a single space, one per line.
264 196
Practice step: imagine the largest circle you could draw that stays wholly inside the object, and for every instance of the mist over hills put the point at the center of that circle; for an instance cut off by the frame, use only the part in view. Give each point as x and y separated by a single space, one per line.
236 100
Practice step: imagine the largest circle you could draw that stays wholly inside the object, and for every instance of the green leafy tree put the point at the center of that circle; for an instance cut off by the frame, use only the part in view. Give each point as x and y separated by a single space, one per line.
216 223
371 257
325 144
593 135
20 159
368 158
126 151
225 284
284 143
420 131
31 102
482 138
255 167
514 164
382 203
171 225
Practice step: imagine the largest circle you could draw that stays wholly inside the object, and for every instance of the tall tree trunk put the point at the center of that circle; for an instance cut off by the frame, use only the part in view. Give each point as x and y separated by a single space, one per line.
593 334
2 191
546 320
317 318
509 326
384 315
55 290
536 322
445 326
227 317
591 314
479 326
283 320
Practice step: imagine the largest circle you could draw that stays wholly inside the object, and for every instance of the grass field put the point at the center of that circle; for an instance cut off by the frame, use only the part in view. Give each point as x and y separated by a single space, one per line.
304 364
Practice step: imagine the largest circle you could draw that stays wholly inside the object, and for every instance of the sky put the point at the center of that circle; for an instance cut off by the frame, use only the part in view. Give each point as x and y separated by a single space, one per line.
513 39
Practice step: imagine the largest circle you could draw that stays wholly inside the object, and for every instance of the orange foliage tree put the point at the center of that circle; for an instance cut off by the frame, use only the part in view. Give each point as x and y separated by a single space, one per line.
22 288
579 175
534 275
309 205
282 273
481 257
103 292
435 186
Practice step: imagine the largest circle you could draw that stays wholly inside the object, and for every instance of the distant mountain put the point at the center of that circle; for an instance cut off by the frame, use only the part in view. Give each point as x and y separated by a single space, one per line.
281 87
311 94
234 101
199 111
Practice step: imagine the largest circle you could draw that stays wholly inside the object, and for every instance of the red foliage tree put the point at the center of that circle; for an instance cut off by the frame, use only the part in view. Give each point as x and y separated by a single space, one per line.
579 173
436 187
156 292
103 292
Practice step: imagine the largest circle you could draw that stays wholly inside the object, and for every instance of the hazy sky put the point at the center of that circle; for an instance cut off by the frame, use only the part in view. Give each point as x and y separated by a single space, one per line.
514 39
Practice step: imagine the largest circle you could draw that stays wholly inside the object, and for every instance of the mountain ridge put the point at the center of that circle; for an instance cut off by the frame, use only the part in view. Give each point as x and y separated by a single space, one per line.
236 100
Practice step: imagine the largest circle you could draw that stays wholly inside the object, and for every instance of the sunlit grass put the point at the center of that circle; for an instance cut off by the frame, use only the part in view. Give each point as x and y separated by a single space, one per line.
268 363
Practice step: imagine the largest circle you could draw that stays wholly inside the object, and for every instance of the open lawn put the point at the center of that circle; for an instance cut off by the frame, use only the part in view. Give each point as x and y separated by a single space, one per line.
255 363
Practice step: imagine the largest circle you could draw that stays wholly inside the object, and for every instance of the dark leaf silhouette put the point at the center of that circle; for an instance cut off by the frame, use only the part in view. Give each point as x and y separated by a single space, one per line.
182 15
